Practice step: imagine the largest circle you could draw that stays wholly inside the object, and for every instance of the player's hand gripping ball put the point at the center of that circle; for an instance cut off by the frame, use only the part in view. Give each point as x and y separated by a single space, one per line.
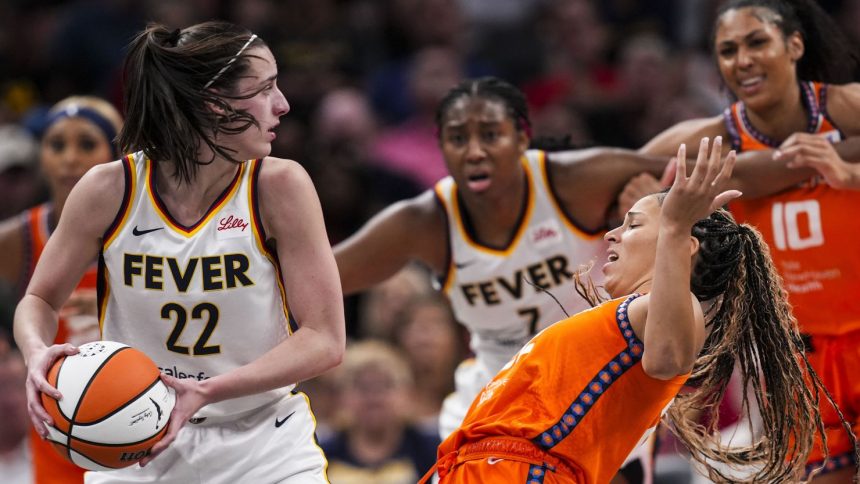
114 406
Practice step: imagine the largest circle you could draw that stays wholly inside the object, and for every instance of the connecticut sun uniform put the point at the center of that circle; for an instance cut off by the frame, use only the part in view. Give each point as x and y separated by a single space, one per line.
202 300
49 467
569 407
814 249
492 289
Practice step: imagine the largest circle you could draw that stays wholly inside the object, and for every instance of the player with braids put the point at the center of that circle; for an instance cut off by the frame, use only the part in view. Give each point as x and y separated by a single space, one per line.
692 291
791 74
213 260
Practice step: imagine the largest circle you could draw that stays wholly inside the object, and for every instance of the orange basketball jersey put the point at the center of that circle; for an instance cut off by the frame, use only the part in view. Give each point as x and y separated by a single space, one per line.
576 390
48 466
808 228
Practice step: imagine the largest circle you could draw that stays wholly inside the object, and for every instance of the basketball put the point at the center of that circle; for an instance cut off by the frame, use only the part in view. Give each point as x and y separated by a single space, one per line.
114 406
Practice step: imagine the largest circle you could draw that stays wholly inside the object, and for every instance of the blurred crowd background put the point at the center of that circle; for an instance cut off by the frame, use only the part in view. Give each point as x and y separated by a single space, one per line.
363 78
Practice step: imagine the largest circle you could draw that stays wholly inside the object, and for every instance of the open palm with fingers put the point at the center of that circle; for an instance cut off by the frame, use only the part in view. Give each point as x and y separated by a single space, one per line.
693 198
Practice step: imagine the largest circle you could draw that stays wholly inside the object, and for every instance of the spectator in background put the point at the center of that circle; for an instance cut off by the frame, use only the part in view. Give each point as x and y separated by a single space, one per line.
412 147
434 344
383 302
352 186
20 184
377 441
14 454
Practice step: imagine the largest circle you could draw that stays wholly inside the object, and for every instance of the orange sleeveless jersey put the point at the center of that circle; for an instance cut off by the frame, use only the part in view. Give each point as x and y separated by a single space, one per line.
577 391
48 466
808 228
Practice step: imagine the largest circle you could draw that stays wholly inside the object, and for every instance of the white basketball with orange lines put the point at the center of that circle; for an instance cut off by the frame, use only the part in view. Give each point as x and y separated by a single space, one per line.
114 406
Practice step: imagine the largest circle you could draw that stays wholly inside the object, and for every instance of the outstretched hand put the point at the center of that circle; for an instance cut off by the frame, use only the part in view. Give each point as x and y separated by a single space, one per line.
693 198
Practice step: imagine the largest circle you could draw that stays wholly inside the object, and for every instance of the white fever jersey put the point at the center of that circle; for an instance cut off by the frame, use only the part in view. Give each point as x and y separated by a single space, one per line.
200 300
491 289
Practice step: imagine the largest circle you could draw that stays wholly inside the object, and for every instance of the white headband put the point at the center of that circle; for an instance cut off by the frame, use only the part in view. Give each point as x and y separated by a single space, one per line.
230 62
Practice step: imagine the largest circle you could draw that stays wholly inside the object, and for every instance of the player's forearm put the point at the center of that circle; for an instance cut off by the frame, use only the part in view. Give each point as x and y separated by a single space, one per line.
757 174
307 353
35 325
669 335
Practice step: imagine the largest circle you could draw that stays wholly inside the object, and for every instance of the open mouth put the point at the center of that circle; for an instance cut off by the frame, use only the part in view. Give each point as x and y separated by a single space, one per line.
478 181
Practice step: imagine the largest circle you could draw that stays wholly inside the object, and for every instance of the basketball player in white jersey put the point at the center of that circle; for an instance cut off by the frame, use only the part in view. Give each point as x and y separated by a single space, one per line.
504 233
200 253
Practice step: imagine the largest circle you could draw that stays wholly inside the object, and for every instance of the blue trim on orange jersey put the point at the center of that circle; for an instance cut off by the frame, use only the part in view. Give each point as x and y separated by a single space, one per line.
807 95
536 474
598 385
732 128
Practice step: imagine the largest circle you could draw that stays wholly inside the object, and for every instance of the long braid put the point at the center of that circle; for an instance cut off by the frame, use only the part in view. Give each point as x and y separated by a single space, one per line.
751 326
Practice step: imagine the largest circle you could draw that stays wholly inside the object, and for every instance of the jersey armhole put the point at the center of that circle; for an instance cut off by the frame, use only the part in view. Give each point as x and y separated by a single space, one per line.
822 107
543 165
124 207
254 183
445 279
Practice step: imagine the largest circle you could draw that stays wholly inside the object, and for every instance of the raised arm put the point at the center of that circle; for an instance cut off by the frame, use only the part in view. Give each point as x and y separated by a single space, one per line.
674 325
74 245
411 230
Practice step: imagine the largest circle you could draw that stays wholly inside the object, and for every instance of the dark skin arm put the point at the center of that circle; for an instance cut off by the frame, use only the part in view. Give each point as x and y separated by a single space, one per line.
411 230
756 173
588 181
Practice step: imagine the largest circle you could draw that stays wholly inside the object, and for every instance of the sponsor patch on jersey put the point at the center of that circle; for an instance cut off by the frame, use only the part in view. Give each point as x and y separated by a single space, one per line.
232 226
545 234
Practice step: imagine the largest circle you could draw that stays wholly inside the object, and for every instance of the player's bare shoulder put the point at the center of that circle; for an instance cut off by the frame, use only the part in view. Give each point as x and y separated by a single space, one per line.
843 102
96 198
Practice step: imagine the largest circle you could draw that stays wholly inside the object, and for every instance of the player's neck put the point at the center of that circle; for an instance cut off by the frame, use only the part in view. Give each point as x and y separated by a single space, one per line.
494 218
782 119
195 197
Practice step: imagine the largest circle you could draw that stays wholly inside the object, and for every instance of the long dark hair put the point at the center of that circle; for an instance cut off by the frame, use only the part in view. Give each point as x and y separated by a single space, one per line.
177 92
828 55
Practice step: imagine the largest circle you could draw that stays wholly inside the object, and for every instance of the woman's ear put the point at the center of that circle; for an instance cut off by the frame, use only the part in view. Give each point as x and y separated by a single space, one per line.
795 46
523 140
694 246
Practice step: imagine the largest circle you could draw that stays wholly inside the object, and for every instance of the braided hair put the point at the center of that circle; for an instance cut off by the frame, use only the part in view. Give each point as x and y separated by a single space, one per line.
750 326
488 88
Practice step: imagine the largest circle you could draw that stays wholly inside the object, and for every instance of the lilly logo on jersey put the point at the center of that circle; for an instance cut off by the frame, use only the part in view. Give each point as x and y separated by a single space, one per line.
231 222
545 234
232 227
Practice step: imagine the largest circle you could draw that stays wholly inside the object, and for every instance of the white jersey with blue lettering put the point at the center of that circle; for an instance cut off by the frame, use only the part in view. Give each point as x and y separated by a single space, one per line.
200 300
492 290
